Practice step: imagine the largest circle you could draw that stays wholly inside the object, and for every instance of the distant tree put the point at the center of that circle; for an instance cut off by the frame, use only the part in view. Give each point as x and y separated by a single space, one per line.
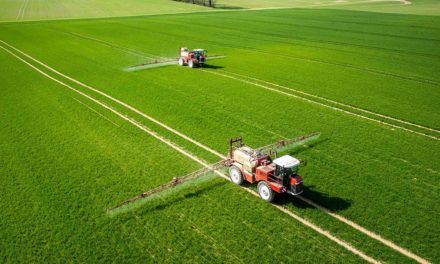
210 3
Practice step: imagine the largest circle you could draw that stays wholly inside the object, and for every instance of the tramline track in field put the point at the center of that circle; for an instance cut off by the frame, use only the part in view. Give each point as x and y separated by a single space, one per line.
336 108
195 158
191 156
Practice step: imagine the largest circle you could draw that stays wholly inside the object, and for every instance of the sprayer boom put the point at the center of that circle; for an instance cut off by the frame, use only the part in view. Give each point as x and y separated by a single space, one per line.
234 144
173 183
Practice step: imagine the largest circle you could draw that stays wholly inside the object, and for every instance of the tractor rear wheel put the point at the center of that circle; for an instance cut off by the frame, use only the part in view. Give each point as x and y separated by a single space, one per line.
181 61
265 191
191 64
236 175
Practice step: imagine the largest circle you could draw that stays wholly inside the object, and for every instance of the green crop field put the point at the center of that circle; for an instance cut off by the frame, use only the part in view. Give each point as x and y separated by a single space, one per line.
29 10
22 10
80 131
419 7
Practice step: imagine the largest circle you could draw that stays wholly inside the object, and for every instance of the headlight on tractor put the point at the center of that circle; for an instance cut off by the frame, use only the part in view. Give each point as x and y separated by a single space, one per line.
297 188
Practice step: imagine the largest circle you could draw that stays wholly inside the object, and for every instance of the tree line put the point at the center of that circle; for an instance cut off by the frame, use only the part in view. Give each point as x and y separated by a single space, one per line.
210 3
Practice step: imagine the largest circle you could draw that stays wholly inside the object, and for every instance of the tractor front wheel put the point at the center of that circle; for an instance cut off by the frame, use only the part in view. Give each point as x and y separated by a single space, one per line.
191 64
265 191
236 175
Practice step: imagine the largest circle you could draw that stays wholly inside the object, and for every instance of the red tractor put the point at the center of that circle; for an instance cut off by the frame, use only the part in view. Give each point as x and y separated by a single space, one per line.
273 176
252 165
192 58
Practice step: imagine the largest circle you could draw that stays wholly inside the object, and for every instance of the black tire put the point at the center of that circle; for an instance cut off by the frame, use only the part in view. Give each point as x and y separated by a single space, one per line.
236 175
265 191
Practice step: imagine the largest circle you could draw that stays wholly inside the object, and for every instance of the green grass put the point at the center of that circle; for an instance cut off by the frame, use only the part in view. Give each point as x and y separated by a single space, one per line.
373 68
63 165
238 4
418 7
365 171
22 10
29 10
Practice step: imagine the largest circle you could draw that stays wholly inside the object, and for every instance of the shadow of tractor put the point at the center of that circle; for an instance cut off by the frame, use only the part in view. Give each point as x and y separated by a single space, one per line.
332 203
335 204
210 66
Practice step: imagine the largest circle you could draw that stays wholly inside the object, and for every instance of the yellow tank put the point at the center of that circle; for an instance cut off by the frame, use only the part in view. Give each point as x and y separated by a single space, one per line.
244 155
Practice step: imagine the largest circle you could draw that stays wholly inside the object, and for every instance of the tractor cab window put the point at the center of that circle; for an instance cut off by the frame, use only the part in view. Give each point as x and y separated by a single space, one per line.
283 173
198 53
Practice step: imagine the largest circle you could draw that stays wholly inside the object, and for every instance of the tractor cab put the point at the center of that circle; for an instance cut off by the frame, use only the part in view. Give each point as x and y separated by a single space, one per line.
286 170
200 52
200 55
286 166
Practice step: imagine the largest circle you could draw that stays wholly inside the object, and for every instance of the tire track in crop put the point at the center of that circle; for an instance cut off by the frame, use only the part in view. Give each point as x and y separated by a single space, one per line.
323 104
266 232
340 104
315 60
181 12
367 232
346 221
24 9
132 121
350 66
23 5
344 30
418 167
323 28
142 127
112 45
315 96
360 22
96 112
19 10
379 72
282 36
137 111
344 65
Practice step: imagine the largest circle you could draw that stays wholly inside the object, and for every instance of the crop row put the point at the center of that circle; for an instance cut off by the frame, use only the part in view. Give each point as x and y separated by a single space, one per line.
368 168
52 9
398 80
65 163
331 206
